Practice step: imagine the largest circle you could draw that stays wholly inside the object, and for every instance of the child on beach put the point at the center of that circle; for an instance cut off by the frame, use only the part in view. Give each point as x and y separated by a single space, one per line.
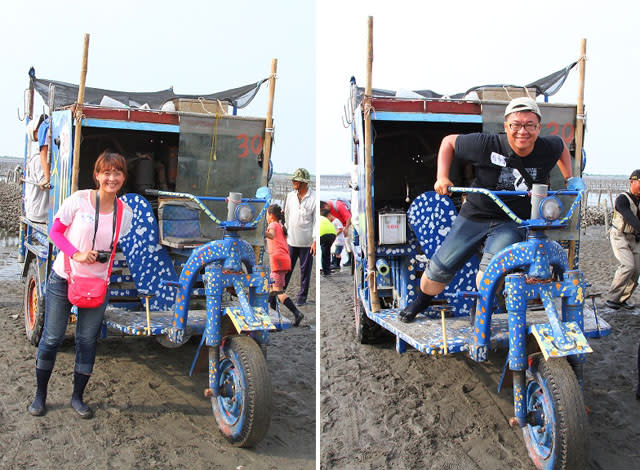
279 260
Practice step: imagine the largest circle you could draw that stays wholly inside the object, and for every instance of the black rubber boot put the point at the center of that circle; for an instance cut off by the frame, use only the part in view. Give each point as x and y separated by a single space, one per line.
39 405
79 384
419 305
273 301
296 313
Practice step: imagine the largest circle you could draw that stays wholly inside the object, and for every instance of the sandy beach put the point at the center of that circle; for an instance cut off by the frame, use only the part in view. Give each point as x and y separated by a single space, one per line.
148 412
411 411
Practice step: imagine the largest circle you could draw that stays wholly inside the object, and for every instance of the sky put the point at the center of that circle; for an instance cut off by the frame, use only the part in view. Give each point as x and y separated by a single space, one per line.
195 46
450 46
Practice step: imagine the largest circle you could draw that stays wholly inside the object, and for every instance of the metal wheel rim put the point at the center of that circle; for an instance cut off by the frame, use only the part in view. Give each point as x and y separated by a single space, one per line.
541 435
231 407
32 304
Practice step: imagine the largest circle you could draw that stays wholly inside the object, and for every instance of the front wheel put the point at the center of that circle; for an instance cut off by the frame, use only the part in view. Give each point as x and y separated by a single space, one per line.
555 435
242 408
33 305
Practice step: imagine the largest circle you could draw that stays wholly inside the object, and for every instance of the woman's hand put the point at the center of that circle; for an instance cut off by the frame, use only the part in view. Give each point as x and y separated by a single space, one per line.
87 257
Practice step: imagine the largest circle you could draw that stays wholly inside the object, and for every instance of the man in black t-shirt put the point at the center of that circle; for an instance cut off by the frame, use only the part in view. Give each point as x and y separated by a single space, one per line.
502 162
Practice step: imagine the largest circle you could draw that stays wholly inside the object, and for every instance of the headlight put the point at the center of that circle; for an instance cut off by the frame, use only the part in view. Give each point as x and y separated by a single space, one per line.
244 213
551 208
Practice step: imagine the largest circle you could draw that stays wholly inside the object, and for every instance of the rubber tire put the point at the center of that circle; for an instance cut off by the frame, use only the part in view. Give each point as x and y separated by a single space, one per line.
33 306
560 389
243 355
367 331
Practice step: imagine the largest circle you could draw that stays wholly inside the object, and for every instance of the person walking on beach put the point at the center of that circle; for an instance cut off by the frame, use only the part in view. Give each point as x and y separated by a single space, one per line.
79 237
513 161
327 237
279 261
625 243
300 217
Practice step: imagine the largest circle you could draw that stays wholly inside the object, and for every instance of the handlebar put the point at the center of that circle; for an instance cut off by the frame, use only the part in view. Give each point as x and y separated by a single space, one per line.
494 196
230 224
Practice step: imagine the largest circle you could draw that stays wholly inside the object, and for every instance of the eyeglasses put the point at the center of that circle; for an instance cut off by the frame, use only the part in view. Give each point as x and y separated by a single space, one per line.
516 126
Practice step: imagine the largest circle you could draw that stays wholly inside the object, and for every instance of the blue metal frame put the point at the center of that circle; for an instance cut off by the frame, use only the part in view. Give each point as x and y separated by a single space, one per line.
130 125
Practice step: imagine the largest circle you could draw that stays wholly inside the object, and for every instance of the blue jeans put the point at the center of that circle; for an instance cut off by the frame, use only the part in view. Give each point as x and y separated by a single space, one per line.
465 238
57 311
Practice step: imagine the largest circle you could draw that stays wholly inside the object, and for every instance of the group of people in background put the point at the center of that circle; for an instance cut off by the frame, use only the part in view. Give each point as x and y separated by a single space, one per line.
294 227
335 224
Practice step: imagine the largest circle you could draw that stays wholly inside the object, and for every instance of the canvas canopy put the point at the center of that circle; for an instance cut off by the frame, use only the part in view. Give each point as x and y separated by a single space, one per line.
66 94
547 85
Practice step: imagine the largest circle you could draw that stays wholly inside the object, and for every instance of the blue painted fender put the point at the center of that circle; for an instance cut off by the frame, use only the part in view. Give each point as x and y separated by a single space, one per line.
532 254
230 253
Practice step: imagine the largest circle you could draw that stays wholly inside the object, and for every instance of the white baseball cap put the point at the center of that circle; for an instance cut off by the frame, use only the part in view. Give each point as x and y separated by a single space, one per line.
522 104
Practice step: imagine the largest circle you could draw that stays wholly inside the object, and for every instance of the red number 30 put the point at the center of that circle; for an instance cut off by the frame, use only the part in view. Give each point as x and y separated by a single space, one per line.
255 145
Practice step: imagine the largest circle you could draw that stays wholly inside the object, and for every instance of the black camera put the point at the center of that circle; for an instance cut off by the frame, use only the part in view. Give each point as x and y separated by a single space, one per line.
103 256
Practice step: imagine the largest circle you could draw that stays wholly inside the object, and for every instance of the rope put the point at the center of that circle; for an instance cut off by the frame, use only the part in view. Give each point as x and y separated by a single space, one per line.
368 107
371 278
214 145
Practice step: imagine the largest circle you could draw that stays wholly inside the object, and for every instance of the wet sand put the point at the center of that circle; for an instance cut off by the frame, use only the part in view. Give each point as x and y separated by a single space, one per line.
383 410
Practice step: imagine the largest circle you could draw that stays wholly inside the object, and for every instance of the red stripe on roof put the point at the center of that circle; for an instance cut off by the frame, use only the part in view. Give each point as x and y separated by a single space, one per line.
424 106
130 115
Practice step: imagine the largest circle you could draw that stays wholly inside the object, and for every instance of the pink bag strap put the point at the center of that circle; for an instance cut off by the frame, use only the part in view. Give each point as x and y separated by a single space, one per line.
120 210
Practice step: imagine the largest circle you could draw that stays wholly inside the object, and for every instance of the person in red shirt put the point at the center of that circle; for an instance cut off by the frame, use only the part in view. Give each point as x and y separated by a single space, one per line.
279 260
340 211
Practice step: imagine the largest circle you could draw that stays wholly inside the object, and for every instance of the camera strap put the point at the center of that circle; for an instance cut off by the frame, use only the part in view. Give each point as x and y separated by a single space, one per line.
97 218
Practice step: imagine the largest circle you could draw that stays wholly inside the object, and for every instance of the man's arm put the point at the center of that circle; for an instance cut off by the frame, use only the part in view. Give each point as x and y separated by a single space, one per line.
44 162
445 157
564 163
623 207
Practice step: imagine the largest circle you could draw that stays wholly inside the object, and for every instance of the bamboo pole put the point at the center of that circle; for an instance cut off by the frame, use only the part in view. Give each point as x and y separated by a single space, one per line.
268 134
266 148
78 116
579 134
371 253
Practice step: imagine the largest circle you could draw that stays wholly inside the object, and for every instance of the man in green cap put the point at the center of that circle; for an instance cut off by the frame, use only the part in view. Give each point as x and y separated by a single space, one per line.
300 220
